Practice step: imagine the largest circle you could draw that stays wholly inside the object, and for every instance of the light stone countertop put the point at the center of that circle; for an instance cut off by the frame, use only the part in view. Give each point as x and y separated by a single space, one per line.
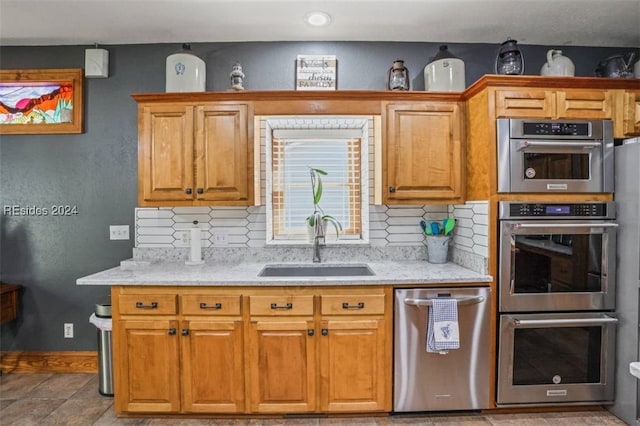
394 272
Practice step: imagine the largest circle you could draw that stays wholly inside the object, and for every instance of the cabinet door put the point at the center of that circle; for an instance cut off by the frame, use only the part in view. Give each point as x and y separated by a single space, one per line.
281 366
165 153
584 104
147 373
423 161
223 165
352 365
529 103
212 366
631 118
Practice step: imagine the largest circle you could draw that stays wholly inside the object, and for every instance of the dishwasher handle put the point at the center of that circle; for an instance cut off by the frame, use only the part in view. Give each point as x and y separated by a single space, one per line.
463 300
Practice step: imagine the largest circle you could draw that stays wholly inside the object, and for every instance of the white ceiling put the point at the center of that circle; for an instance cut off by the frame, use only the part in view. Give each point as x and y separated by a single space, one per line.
606 23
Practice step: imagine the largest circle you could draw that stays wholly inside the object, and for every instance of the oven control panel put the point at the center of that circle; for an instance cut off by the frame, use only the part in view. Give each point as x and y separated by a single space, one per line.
555 128
556 210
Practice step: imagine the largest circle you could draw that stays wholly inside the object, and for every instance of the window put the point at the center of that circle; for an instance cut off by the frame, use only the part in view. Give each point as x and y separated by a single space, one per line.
290 155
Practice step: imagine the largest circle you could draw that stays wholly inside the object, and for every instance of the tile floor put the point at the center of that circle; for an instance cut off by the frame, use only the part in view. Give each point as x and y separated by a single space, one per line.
73 399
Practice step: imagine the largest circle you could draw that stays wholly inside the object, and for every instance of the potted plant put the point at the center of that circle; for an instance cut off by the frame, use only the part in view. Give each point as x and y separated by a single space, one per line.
316 222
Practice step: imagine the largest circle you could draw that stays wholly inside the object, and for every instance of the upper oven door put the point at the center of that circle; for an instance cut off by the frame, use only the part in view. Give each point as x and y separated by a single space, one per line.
557 265
553 163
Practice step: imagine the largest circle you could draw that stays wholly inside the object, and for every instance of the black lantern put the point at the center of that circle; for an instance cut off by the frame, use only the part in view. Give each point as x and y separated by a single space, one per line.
509 60
398 76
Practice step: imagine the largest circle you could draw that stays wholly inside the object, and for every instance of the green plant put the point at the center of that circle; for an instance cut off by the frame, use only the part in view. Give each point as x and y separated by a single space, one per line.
318 217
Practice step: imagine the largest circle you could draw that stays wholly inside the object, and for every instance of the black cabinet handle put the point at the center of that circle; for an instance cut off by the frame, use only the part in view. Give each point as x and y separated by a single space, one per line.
172 331
346 305
285 307
188 191
200 191
215 306
310 332
325 332
392 189
185 332
140 305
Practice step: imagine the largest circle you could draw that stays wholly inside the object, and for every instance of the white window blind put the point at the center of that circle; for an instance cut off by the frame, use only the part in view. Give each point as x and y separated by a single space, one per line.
292 195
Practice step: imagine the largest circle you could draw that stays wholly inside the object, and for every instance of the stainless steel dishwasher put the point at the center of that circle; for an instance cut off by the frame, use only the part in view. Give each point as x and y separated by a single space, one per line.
456 380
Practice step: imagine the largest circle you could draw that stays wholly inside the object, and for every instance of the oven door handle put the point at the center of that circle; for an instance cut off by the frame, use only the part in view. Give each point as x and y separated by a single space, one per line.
566 225
583 145
572 321
464 300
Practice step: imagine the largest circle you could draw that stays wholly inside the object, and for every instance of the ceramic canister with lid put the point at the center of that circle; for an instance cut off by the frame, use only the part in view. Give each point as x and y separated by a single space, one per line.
185 71
444 73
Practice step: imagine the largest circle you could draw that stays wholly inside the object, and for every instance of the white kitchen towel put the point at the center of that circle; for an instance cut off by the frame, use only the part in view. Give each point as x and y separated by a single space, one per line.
442 326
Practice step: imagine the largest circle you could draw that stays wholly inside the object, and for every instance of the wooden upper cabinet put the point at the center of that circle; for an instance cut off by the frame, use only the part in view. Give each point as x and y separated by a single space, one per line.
631 115
165 153
534 103
547 103
195 154
223 169
584 104
424 153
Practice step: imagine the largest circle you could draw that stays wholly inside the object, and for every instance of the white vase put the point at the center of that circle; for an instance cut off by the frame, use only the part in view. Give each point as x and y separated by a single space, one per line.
185 72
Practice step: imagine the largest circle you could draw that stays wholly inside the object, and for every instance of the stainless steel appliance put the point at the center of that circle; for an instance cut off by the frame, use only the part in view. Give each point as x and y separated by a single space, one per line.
556 357
555 156
627 199
556 257
556 299
457 380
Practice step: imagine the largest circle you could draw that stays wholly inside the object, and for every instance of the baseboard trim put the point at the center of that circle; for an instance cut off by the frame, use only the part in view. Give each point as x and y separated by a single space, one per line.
49 362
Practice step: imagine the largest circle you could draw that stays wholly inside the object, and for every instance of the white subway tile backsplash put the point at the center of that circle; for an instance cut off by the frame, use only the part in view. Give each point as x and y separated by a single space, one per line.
154 222
146 213
405 211
191 210
190 218
155 239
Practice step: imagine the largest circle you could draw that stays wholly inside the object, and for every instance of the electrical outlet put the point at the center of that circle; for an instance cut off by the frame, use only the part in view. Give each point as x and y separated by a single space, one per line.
119 232
185 237
68 330
220 237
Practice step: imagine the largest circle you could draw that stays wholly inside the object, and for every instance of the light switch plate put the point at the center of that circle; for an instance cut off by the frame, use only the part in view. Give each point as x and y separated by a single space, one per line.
119 232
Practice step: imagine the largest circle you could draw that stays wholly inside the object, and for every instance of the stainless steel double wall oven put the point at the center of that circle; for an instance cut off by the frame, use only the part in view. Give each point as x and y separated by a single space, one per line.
556 281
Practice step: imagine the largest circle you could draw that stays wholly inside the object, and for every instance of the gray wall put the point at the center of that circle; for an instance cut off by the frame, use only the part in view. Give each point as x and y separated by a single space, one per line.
97 170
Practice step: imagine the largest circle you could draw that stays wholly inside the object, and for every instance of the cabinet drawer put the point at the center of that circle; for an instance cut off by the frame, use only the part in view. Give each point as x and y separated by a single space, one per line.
365 304
281 305
148 304
201 304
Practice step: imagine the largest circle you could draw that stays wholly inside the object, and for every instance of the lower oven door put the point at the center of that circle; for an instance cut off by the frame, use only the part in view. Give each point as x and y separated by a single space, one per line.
556 358
557 265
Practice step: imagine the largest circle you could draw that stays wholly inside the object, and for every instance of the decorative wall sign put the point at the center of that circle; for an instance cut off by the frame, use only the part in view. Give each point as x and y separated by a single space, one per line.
316 72
41 101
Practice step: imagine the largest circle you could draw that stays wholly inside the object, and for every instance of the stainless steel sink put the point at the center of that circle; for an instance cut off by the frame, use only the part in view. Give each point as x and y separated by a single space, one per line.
323 270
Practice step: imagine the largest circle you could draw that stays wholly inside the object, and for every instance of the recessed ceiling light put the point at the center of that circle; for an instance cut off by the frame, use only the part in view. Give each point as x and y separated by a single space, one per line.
317 19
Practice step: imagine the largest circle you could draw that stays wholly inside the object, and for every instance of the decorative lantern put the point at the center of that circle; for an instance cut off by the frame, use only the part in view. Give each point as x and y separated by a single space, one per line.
236 77
398 76
509 60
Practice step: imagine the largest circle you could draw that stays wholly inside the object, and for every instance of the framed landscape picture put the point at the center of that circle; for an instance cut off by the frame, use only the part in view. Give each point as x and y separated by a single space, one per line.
41 101
316 72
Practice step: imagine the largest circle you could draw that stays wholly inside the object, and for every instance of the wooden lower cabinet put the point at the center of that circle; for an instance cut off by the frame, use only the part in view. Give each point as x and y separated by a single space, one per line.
352 365
212 366
305 350
282 366
147 366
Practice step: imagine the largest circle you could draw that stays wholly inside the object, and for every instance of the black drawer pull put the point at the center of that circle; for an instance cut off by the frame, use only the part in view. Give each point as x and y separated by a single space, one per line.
215 306
346 305
188 191
325 332
392 189
172 331
285 307
310 332
140 305
200 191
185 331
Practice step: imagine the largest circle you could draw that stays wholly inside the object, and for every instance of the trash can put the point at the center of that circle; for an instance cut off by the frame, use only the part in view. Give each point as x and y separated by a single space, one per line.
102 320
